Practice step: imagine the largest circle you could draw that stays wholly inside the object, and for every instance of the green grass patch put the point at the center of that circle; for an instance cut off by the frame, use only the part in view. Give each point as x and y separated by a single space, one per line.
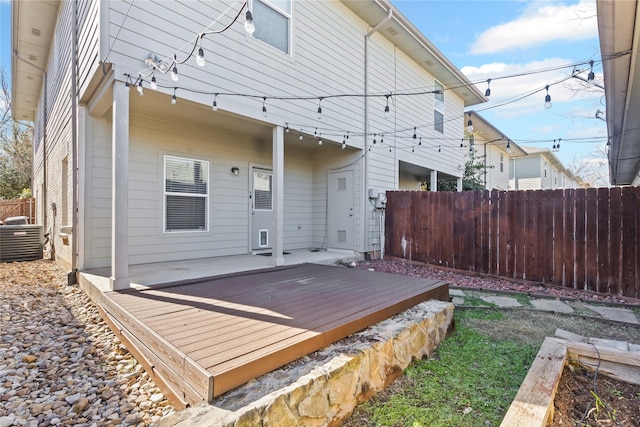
474 301
479 313
471 381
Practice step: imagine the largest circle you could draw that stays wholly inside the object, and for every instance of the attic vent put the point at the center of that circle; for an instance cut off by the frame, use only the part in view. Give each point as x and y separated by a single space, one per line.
392 31
429 62
29 77
33 58
35 32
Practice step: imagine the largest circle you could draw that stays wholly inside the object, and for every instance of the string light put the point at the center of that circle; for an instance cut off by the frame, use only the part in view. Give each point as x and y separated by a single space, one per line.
462 143
300 137
200 57
154 84
420 141
249 26
320 108
320 139
214 106
509 147
374 138
470 124
591 77
127 86
386 108
487 92
173 98
344 142
286 129
414 133
174 70
547 99
139 88
264 106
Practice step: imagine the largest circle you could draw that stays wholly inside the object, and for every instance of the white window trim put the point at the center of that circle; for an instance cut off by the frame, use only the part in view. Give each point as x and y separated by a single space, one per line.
289 16
165 193
441 111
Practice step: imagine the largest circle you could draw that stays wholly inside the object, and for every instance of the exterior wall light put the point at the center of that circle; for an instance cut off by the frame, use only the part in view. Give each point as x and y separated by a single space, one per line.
235 170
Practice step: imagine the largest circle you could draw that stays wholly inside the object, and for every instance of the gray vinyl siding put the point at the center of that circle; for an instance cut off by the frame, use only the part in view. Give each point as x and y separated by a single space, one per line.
240 64
88 42
496 180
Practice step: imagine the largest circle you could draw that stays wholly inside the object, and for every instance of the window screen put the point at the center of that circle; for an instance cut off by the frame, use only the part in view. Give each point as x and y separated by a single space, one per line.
186 189
272 20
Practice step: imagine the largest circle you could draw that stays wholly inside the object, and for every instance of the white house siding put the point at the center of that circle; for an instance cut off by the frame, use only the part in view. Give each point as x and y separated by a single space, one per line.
153 137
497 180
58 136
88 42
240 64
392 71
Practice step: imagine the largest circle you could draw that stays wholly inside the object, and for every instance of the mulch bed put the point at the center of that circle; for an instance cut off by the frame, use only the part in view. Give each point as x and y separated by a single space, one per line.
617 403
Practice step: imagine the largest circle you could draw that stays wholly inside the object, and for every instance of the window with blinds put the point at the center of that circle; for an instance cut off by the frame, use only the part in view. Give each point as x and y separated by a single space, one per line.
186 194
262 191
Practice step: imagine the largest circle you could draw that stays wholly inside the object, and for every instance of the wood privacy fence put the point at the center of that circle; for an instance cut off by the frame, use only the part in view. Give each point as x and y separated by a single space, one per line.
583 239
18 207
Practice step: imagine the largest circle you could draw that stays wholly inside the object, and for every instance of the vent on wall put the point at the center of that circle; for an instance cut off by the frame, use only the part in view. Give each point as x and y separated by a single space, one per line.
36 32
20 243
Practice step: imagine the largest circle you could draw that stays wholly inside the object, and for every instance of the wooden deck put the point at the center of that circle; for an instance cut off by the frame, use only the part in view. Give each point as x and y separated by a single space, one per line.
202 339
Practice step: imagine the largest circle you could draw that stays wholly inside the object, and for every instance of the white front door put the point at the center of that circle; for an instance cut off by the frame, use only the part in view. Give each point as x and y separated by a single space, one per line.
261 208
341 210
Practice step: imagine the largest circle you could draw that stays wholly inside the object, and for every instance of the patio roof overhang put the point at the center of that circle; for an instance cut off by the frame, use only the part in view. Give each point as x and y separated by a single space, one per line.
619 38
32 29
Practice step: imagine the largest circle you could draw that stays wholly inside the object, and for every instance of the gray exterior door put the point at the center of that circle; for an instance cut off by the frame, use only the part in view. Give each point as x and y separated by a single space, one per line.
341 210
261 208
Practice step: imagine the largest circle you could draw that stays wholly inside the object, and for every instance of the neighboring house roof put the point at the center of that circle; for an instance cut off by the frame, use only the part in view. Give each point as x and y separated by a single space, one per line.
34 22
619 38
491 134
402 33
32 28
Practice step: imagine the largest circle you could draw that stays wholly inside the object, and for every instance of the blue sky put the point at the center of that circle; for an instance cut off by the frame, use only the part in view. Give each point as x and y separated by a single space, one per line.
494 39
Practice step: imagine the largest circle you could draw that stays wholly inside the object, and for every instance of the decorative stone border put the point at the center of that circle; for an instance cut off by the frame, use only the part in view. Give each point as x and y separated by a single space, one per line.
322 389
533 404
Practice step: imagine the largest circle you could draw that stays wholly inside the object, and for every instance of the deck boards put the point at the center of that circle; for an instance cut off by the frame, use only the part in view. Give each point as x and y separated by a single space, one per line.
238 327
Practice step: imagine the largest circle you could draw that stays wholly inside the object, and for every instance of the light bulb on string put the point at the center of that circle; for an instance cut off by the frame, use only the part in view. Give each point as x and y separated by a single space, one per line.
413 148
249 26
320 139
547 98
420 141
286 128
174 73
154 84
487 92
319 109
374 138
591 77
264 107
300 137
139 88
470 124
386 108
173 98
462 143
414 133
509 147
200 58
439 148
214 106
344 142
127 86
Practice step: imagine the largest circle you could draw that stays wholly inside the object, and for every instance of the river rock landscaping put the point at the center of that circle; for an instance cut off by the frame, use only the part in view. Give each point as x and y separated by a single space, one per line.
59 362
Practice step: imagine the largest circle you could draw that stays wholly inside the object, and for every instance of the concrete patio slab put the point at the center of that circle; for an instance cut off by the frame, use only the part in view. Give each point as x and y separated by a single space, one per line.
456 292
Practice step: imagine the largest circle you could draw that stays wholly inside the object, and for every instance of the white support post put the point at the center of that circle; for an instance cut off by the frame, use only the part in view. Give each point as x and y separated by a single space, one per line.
459 184
434 180
119 189
277 243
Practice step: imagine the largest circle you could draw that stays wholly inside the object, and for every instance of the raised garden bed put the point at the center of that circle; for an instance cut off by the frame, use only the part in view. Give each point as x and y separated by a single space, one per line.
534 402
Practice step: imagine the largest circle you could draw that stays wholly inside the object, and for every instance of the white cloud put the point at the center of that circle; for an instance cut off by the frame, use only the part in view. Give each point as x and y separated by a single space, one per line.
523 79
541 22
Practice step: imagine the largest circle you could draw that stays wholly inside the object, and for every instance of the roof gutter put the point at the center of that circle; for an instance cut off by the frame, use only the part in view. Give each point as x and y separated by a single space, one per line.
365 175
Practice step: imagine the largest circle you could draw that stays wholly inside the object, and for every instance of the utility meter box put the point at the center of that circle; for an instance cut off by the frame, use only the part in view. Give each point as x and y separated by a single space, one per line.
381 201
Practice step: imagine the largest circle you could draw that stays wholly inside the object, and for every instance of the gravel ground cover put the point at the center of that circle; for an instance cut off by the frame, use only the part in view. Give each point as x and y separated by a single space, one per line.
59 362
486 282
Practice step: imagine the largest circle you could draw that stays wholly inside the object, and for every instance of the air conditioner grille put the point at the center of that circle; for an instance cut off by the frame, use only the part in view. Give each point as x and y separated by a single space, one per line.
20 243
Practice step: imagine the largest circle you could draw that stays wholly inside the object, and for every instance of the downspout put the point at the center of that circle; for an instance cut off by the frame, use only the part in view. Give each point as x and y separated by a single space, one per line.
44 143
72 276
365 192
